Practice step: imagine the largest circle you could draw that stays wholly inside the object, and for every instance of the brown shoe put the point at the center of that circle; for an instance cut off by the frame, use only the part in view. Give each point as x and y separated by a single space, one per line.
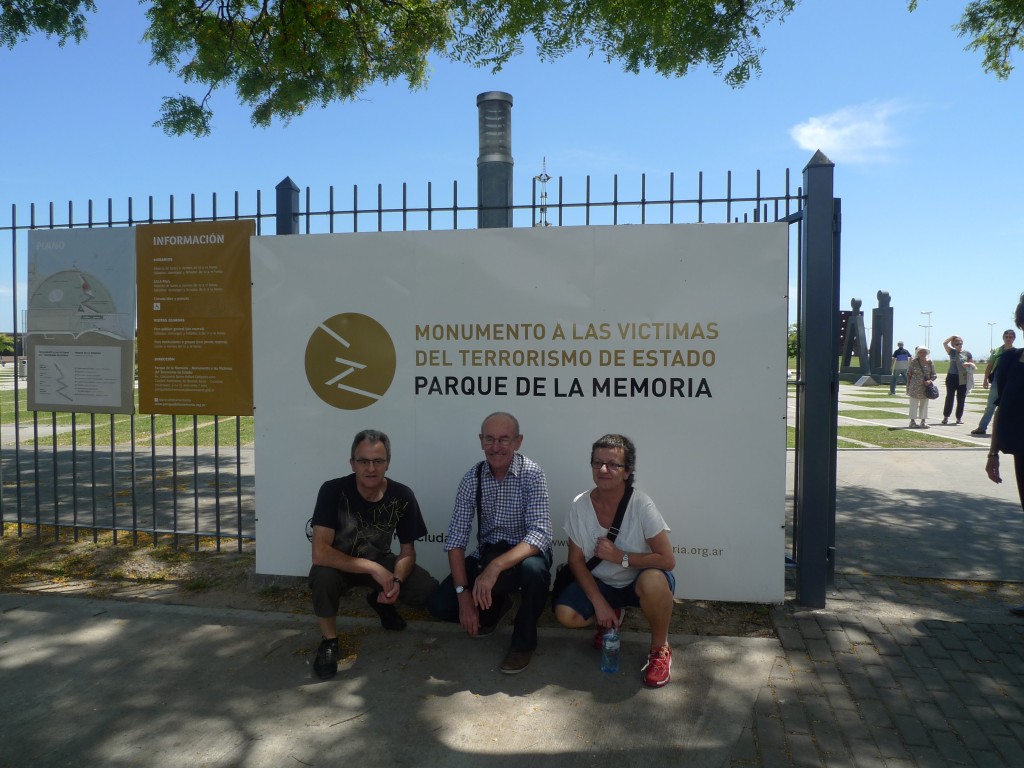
516 661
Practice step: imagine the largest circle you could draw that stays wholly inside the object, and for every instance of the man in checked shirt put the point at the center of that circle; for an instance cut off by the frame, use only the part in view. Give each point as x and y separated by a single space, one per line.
506 495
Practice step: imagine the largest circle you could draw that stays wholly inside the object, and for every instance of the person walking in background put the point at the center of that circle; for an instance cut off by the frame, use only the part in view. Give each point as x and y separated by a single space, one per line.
920 373
900 363
956 379
1008 422
988 381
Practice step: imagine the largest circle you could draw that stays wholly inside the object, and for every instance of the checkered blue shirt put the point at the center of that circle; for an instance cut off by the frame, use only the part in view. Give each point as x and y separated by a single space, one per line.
514 510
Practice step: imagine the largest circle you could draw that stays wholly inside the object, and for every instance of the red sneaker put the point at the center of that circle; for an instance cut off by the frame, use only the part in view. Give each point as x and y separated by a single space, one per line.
620 614
658 669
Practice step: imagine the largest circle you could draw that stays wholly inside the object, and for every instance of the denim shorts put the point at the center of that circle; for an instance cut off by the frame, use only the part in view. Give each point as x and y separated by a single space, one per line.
617 597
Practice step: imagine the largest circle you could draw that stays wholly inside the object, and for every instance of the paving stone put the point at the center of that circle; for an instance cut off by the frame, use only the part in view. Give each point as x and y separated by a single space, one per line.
770 735
952 706
764 704
988 721
886 644
969 693
933 648
867 653
853 727
951 748
890 743
880 676
912 730
914 688
995 642
744 751
927 757
917 657
839 697
933 680
828 737
980 651
931 716
803 751
973 736
818 649
866 755
950 640
838 641
987 760
1007 711
794 718
1010 749
790 638
950 670
809 628
966 661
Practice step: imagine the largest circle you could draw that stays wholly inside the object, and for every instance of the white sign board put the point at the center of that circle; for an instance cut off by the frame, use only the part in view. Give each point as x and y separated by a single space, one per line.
673 335
81 320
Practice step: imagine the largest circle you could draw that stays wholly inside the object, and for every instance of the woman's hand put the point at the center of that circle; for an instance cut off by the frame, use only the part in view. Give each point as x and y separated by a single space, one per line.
604 614
992 468
605 550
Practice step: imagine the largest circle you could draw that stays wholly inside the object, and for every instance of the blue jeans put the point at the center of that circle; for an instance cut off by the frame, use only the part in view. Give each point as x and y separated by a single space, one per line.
990 407
531 578
893 380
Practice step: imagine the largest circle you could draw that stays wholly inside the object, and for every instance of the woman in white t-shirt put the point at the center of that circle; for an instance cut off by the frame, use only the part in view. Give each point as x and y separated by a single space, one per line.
634 570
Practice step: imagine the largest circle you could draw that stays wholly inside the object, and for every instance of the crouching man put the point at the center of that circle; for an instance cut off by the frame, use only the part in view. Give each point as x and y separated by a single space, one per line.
354 523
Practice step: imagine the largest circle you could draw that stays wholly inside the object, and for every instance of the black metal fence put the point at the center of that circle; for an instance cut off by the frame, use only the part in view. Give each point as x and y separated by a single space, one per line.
191 477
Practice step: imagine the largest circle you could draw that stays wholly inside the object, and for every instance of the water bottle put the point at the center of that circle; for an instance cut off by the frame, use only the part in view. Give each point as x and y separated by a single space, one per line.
610 651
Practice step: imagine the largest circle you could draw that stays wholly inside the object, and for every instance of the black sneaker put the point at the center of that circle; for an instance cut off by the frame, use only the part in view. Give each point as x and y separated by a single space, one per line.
978 432
389 618
326 662
488 629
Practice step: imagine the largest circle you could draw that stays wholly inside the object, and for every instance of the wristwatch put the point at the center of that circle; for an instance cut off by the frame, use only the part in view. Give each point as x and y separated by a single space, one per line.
625 559
460 589
397 580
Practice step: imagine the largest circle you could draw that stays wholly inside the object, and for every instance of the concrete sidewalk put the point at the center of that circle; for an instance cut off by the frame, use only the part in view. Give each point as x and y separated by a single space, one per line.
914 662
137 684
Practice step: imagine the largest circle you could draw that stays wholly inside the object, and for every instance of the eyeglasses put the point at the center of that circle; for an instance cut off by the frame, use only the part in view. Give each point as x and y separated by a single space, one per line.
489 441
610 464
369 462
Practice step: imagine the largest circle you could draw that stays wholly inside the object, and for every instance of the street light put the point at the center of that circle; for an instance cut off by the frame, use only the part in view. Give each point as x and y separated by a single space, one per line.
990 337
927 329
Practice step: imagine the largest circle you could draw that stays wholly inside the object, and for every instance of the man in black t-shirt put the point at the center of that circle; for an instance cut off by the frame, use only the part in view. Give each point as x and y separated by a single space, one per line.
354 522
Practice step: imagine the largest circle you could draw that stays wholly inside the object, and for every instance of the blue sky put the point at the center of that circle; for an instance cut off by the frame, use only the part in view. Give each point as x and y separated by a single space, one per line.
926 163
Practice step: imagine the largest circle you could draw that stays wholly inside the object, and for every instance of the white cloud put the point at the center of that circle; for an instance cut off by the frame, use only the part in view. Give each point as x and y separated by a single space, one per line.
857 134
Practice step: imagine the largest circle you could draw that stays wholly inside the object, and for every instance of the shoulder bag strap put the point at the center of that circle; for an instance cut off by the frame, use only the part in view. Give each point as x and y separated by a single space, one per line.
613 532
479 499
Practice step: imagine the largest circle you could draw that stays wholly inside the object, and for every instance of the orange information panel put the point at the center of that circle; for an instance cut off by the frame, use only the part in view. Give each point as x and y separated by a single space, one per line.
195 318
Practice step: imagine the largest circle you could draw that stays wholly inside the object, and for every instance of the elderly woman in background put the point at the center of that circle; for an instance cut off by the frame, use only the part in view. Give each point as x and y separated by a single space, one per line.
920 373
634 570
956 379
1008 422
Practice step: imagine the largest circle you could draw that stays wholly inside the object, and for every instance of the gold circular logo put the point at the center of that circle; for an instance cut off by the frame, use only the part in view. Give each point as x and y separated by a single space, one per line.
350 361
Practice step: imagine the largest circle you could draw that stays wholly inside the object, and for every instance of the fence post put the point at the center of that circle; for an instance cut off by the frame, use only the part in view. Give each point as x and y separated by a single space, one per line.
287 207
494 163
818 396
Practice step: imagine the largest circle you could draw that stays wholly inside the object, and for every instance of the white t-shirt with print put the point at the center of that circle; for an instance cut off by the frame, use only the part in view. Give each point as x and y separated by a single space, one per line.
641 522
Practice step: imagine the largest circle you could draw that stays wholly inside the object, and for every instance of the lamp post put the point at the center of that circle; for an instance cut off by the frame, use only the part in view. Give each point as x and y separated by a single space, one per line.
927 329
990 337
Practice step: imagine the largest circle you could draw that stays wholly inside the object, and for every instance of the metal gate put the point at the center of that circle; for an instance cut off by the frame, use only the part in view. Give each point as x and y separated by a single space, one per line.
152 477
